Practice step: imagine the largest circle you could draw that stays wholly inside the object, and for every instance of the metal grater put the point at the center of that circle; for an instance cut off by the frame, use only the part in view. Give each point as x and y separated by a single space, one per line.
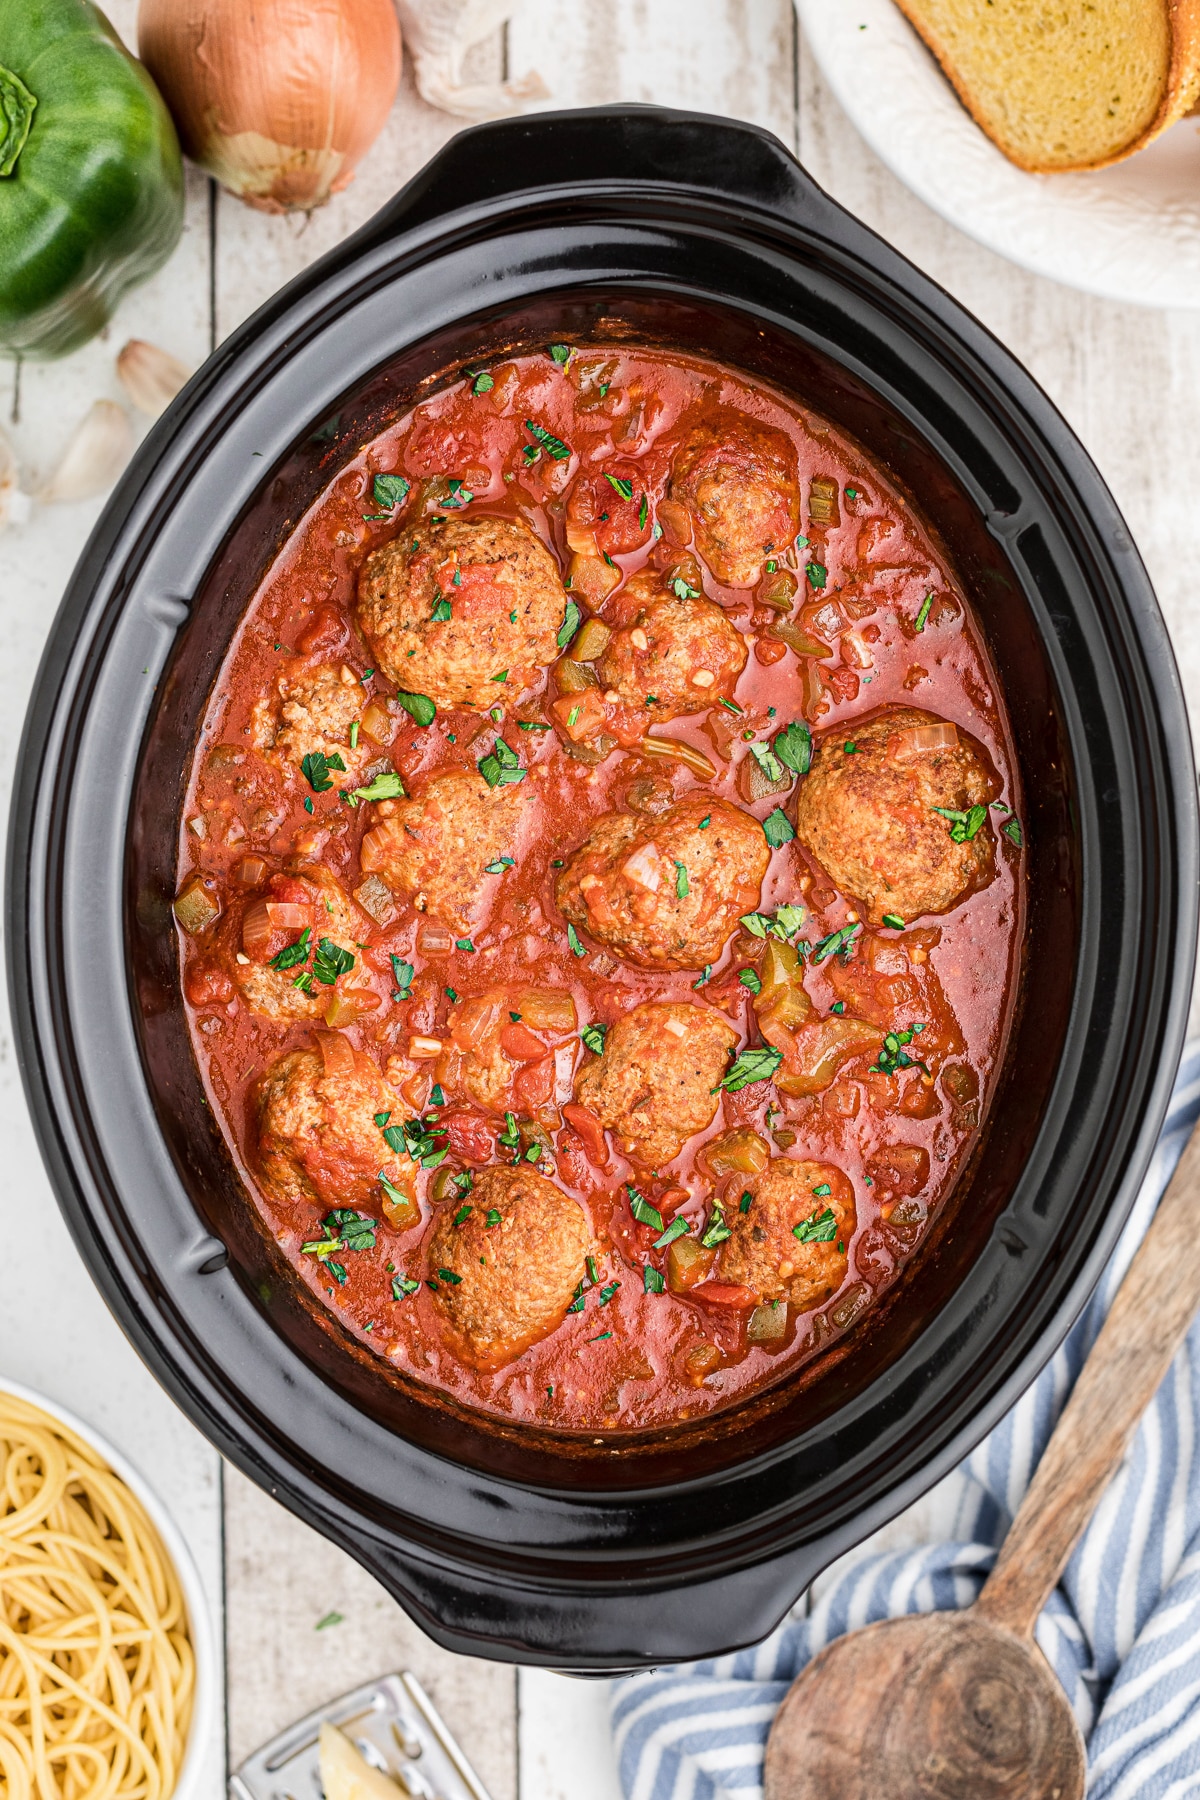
394 1724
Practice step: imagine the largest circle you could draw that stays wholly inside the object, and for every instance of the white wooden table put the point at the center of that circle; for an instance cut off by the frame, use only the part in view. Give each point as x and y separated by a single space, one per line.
1127 379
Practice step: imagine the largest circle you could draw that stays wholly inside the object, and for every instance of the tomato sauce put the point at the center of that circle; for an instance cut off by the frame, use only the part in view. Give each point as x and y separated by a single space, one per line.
879 620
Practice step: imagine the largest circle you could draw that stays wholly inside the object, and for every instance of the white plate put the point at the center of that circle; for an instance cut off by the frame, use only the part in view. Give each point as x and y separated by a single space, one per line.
204 1706
1131 232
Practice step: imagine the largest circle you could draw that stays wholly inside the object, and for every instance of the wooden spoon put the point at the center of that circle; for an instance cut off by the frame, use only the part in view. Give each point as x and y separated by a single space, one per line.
962 1705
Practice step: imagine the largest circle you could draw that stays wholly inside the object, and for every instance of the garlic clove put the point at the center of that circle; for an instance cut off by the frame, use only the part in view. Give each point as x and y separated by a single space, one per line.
14 505
98 451
150 376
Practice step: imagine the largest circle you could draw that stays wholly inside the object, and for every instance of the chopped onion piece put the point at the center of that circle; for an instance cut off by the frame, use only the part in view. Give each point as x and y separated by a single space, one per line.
349 1005
435 940
546 1009
424 1049
337 1053
644 868
918 740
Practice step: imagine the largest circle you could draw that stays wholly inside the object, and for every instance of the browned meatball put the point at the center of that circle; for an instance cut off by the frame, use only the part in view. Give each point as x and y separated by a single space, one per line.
868 813
740 483
666 892
674 655
654 1083
318 1139
434 848
506 1274
506 606
764 1251
312 710
273 924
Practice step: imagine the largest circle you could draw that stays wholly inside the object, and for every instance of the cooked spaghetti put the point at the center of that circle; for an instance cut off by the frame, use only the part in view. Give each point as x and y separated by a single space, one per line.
96 1665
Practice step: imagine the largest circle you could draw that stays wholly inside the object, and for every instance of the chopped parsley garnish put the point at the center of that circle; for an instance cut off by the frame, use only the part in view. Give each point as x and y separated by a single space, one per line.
777 828
963 825
561 353
817 574
640 1207
926 603
838 1007
820 1228
652 1281
510 1137
344 1229
451 994
331 961
750 980
531 725
493 1219
550 444
623 487
676 1229
483 383
354 729
606 1293
501 766
894 920
387 786
593 1036
572 716
731 706
498 867
577 948
705 975
643 513
316 766
783 924
767 761
716 1230
682 887
822 1190
458 496
745 1201
578 1301
462 1215
419 707
599 1337
390 490
754 1065
502 676
308 805
464 944
570 624
705 822
296 953
533 1153
1012 831
451 1277
836 944
894 1057
441 612
683 590
402 1286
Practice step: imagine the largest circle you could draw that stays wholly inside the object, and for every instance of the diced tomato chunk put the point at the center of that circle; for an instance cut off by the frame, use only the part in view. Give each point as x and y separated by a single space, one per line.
590 1131
323 633
521 1044
533 1086
581 715
207 984
726 1293
472 1137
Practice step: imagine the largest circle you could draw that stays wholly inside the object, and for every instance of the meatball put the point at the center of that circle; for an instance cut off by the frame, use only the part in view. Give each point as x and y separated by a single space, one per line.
654 1083
506 1274
666 892
274 924
313 710
317 1133
740 484
674 655
868 812
435 847
454 603
764 1252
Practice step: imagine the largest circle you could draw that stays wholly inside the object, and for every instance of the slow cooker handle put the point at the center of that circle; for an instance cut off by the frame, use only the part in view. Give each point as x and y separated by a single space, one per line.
624 149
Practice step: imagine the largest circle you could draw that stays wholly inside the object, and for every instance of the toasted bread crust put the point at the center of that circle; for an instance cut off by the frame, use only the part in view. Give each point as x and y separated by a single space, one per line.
1180 95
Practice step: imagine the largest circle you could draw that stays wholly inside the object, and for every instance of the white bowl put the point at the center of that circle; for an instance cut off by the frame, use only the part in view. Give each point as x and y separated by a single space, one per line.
200 1627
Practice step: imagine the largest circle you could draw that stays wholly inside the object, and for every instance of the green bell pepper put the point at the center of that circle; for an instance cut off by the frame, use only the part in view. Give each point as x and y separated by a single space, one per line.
91 178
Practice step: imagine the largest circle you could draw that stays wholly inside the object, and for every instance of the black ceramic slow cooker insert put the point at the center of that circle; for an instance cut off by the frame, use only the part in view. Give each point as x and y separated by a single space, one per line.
675 230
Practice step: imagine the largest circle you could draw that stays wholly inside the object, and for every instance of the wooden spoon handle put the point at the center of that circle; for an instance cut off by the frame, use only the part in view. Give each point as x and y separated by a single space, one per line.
1148 1320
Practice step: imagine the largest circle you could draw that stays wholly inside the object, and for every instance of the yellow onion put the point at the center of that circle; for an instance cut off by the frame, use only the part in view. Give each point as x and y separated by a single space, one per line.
279 99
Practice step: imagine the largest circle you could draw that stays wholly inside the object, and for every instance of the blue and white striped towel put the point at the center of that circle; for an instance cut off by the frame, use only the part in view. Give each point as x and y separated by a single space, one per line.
1122 1629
